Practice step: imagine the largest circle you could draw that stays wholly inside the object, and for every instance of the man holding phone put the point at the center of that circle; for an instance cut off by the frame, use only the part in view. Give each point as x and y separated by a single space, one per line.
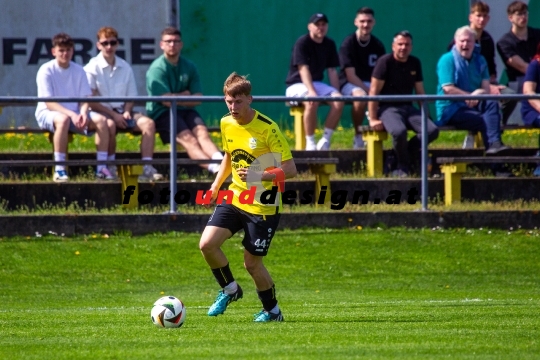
111 76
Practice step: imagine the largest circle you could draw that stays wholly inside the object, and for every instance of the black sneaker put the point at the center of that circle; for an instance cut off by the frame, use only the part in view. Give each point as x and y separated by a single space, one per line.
496 147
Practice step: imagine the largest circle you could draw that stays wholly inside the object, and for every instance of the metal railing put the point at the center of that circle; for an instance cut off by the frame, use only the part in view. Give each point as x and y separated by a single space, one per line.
175 100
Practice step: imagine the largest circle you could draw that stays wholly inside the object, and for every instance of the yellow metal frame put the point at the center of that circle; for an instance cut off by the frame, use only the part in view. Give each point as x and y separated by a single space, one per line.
322 178
452 182
129 175
374 151
299 133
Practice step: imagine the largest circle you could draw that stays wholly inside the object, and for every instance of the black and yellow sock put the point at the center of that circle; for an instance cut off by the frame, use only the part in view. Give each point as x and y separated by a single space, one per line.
223 275
268 298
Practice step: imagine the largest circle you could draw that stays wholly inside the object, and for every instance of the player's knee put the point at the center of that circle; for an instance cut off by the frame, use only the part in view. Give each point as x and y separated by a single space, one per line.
251 266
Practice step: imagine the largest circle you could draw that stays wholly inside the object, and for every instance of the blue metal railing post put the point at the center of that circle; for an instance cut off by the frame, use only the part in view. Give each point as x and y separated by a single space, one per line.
424 156
173 173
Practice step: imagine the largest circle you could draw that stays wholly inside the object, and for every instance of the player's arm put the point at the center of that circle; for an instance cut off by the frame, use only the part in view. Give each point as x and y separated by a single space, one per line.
373 106
224 171
288 167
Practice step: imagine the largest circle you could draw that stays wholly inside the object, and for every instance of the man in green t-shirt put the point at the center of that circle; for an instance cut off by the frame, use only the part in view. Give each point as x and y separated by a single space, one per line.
173 75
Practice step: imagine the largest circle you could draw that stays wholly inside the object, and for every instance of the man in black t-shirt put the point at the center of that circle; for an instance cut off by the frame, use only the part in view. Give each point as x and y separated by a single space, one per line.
357 56
313 53
399 73
518 46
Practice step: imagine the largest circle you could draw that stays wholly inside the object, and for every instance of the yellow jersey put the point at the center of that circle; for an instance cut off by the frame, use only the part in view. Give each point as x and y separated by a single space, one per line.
256 145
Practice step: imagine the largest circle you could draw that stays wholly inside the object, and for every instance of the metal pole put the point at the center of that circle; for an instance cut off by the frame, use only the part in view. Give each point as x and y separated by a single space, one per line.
172 171
424 157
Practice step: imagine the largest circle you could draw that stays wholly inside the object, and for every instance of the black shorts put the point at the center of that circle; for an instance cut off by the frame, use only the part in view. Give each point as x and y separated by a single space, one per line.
186 119
259 230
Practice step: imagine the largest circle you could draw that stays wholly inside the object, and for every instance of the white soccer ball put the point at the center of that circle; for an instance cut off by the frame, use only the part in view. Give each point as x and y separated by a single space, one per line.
168 312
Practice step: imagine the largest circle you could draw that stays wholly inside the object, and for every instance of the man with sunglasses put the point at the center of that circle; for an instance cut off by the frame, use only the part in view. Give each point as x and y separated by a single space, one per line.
518 46
174 75
111 76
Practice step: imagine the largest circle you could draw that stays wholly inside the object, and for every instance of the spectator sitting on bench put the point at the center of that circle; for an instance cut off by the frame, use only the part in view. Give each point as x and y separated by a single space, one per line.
399 73
62 77
517 47
464 71
312 54
358 54
174 75
111 76
478 20
530 109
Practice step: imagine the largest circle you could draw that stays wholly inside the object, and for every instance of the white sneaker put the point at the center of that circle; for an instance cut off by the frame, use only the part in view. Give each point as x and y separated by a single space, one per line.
323 144
104 174
311 146
150 174
358 143
60 176
468 143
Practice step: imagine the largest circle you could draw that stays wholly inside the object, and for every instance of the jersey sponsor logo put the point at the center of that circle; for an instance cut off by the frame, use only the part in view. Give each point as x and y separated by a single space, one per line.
241 159
252 143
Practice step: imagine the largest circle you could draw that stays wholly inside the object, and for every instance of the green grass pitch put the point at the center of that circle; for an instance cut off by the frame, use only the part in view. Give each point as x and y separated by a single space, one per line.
358 293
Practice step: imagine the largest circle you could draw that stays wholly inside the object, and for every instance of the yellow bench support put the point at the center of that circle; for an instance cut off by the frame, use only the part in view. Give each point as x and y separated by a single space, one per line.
300 135
322 178
374 151
452 182
129 175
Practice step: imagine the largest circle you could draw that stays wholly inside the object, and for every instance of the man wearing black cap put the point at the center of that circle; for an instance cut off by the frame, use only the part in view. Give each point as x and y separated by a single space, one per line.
313 53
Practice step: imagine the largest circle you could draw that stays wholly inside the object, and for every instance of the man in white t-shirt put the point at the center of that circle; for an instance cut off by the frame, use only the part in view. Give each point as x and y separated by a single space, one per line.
64 78
111 76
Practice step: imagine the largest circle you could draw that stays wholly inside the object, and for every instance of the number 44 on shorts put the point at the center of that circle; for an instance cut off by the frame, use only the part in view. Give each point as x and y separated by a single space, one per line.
260 243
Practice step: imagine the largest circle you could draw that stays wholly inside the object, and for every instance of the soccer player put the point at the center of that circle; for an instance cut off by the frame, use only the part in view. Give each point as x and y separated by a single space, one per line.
257 154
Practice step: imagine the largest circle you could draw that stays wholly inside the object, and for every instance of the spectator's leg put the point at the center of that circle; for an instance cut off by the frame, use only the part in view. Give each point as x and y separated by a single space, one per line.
491 115
98 123
111 126
334 115
472 120
507 106
61 123
61 131
147 127
206 143
310 117
414 122
393 121
358 111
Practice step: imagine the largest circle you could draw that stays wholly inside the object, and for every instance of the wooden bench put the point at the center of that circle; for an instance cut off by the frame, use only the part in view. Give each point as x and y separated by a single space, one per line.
374 145
454 167
130 169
